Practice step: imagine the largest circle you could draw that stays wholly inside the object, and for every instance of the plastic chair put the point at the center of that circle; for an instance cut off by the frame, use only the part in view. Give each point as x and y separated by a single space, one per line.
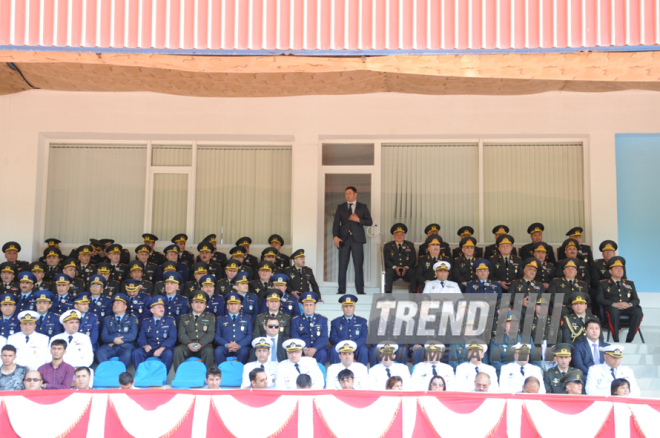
151 372
624 322
232 373
323 372
107 373
190 374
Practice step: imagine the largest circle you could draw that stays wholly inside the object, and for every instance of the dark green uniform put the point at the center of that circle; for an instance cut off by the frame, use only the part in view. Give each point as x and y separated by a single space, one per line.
547 327
223 287
189 289
600 272
84 272
563 286
200 332
302 280
463 271
157 258
187 257
546 274
425 271
551 379
506 272
458 252
609 292
524 287
444 250
400 255
573 328
259 288
285 324
528 251
584 253
491 251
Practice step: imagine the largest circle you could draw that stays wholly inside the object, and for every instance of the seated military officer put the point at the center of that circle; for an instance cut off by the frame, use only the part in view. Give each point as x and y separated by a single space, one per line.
100 305
11 250
349 327
216 302
136 274
84 267
527 284
52 259
175 304
568 283
544 331
433 366
289 303
387 367
265 270
48 323
297 364
483 285
225 285
552 377
138 300
184 256
269 254
50 243
26 300
261 349
425 271
574 324
196 331
346 352
584 252
619 297
89 323
26 281
206 251
198 270
119 333
536 234
301 276
143 254
111 286
491 250
273 303
546 271
79 350
570 247
505 267
216 256
400 259
599 269
464 233
574 381
172 255
9 323
312 329
69 268
39 271
600 377
233 332
282 261
167 268
98 252
467 371
250 301
8 275
157 336
31 347
513 375
154 256
433 230
64 299
118 270
441 285
250 260
463 272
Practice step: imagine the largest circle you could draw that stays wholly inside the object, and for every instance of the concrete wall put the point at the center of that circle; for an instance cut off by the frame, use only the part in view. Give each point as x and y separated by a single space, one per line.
28 119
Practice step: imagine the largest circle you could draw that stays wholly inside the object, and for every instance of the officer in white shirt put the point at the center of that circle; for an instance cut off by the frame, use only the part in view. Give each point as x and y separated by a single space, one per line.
346 350
513 375
261 347
31 347
378 374
600 377
441 285
79 352
467 371
289 370
424 371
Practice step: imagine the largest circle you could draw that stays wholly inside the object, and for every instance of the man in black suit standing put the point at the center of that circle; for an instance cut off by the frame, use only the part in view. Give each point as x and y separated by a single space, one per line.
348 230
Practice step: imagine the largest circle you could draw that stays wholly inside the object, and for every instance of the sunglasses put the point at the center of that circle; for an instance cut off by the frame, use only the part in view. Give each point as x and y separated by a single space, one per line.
273 326
32 380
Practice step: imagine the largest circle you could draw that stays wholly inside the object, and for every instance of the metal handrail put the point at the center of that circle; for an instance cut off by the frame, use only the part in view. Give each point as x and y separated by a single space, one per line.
382 263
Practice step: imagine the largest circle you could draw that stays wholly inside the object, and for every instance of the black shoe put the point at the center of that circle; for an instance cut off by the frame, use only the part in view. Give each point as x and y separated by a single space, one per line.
339 292
361 293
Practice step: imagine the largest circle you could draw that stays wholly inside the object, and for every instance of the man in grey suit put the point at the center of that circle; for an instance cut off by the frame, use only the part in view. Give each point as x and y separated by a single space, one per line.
348 231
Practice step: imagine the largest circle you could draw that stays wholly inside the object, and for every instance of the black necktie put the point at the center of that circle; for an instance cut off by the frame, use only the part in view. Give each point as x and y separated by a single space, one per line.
506 262
434 260
119 320
613 373
399 247
27 339
70 338
563 374
309 319
158 321
443 284
298 368
233 318
41 320
387 370
196 317
618 284
522 370
262 367
476 369
350 210
435 372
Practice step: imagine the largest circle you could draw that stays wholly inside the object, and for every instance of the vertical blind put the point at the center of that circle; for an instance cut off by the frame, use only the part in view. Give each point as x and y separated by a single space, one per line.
243 192
95 191
430 183
171 155
170 204
527 183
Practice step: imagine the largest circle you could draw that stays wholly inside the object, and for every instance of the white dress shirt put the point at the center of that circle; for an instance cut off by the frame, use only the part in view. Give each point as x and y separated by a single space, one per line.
437 287
287 373
378 376
270 368
423 373
467 372
599 380
512 379
79 352
32 353
360 373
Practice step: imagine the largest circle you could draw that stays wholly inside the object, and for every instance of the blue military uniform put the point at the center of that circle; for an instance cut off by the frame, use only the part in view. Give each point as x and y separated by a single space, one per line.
89 323
250 300
314 332
349 329
233 328
9 325
49 323
126 327
157 333
138 306
216 303
182 267
26 302
289 304
62 303
486 286
175 305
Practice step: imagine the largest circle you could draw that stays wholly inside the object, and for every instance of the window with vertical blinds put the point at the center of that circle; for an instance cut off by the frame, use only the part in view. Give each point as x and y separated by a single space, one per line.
427 183
95 191
527 183
243 191
170 204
